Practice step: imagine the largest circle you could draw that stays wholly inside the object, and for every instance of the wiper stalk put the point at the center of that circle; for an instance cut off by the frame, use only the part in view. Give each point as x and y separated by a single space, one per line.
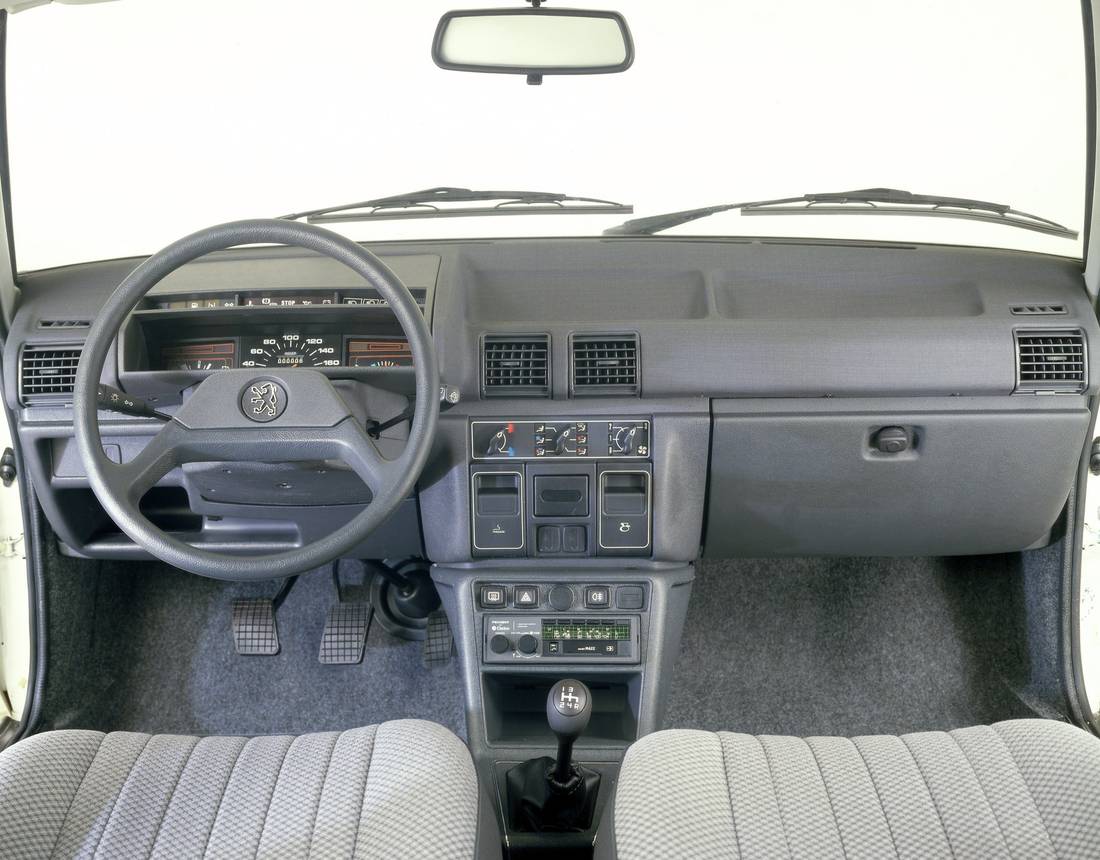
878 201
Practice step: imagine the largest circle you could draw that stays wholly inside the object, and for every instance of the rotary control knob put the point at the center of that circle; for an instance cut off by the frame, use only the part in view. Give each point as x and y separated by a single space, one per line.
500 644
527 644
630 440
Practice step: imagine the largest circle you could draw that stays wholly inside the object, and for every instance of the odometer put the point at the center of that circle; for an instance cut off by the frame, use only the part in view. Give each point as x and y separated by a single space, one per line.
291 349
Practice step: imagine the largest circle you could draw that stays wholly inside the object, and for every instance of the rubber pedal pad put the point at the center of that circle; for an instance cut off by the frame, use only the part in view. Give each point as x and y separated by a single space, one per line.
255 632
345 634
439 643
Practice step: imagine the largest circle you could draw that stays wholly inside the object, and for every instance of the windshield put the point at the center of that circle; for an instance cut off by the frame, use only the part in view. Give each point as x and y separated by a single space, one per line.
133 123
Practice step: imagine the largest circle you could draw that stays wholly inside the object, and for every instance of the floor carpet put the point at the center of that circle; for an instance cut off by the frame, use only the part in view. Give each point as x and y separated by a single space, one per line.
140 646
852 646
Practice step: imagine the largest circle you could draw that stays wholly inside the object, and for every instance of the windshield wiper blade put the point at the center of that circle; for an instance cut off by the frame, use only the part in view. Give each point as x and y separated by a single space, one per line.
877 201
425 204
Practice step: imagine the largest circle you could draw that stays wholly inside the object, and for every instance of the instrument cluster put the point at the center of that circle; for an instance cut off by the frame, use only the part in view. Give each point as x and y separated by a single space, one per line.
286 348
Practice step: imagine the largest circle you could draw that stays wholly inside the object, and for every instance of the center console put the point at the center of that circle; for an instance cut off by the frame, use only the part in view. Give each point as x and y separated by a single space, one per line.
574 564
522 626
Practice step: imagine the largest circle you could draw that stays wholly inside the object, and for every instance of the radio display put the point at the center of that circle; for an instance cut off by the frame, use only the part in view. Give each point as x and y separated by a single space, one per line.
590 630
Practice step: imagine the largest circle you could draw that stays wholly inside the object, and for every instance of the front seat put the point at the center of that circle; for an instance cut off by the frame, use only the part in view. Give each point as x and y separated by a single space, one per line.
405 788
1020 789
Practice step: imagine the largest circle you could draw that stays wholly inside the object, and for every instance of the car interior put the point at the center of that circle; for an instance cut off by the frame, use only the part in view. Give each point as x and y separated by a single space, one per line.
630 543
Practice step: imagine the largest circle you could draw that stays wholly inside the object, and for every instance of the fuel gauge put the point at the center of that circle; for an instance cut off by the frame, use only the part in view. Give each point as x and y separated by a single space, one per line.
209 355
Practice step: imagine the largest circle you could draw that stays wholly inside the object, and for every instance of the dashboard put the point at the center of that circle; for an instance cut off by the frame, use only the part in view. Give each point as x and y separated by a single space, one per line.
647 398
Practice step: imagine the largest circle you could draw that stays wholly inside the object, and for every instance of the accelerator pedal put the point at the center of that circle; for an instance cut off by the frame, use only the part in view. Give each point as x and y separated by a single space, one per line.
345 634
439 644
254 630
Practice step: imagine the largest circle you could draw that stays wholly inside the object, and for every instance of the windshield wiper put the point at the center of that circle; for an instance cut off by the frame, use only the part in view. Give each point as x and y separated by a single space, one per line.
425 204
876 201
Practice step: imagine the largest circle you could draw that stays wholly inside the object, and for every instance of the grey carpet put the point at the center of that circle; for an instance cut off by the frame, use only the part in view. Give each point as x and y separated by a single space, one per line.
854 646
140 646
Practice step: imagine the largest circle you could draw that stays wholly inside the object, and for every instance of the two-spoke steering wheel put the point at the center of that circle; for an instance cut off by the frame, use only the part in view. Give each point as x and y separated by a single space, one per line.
270 415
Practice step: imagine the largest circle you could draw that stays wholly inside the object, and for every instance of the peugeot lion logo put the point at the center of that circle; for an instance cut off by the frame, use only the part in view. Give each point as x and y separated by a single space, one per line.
263 400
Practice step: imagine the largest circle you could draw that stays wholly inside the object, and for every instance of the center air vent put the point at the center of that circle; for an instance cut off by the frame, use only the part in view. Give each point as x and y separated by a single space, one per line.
47 374
1038 310
1050 361
605 364
515 365
73 323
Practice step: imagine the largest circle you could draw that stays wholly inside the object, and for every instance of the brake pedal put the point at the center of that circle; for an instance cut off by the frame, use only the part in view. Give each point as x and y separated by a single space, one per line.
345 635
254 630
439 643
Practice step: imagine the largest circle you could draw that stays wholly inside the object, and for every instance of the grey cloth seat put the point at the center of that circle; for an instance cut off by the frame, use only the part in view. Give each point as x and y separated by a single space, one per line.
1026 789
400 789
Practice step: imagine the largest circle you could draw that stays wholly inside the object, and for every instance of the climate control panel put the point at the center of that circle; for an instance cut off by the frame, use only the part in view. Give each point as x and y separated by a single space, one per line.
560 439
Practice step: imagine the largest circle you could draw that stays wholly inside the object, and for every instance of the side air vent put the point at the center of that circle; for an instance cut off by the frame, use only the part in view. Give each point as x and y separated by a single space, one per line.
1050 361
605 364
64 323
1037 310
47 374
515 365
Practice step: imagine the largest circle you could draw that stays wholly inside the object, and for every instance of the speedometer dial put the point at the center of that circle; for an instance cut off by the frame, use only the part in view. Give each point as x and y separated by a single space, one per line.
291 349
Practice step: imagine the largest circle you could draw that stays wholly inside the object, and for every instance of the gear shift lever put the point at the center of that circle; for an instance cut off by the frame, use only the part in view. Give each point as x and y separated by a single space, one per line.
556 794
568 709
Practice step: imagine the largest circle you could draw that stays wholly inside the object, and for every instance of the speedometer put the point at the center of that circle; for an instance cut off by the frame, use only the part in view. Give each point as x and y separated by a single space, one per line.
291 349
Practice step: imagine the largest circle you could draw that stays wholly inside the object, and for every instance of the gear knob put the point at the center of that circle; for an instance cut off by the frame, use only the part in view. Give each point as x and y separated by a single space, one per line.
568 709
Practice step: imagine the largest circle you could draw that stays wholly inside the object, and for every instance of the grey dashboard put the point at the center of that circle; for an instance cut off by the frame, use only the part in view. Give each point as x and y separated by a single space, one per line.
770 375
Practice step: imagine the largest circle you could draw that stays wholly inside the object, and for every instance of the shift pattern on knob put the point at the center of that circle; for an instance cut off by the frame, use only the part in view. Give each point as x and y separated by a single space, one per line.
570 697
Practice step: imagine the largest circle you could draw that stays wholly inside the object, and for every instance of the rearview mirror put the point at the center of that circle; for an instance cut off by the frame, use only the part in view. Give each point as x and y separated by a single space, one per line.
533 42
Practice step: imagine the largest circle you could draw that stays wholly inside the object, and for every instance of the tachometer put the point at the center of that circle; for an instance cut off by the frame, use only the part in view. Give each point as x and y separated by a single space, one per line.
291 349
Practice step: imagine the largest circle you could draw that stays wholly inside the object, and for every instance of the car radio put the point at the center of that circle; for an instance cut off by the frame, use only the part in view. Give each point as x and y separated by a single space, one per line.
515 638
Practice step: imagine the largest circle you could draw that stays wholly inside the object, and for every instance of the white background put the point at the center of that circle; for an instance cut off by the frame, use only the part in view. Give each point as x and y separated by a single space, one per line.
134 122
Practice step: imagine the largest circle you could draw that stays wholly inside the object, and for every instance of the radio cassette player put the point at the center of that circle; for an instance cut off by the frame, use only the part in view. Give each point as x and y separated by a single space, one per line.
579 639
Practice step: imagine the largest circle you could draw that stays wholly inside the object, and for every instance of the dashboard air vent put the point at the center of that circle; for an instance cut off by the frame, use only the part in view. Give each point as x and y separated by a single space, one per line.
47 374
1037 310
605 364
515 365
1050 361
64 323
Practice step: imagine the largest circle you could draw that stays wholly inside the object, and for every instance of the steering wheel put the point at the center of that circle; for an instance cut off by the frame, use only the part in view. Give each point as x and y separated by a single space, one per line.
256 415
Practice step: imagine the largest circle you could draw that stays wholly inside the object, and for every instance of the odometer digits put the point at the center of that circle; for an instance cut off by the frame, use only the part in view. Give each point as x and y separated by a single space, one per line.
291 349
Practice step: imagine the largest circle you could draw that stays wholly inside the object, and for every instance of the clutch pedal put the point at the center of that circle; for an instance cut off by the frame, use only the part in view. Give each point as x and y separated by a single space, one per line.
255 632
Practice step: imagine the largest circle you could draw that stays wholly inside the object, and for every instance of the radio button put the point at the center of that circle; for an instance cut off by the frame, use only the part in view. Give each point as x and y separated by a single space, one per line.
527 644
500 644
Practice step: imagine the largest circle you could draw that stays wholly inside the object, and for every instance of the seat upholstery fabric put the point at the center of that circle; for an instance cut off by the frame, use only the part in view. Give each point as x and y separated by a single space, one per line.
405 788
1018 789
